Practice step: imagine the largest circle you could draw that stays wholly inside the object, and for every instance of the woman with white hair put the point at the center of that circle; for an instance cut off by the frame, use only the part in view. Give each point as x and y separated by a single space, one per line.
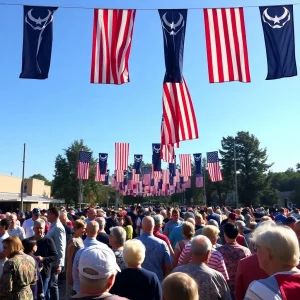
134 282
278 255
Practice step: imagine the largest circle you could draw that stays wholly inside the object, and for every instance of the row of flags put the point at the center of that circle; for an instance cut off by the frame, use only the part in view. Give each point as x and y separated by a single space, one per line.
225 35
154 180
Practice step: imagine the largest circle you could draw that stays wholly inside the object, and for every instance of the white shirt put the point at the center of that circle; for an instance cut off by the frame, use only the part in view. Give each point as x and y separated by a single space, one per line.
17 231
3 260
28 227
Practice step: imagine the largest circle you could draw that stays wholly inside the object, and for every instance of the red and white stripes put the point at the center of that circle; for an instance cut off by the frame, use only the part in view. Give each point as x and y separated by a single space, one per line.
226 45
112 36
185 165
121 156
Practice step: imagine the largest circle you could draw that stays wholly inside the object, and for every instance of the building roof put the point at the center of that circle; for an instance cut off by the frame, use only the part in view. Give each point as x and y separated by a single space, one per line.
10 197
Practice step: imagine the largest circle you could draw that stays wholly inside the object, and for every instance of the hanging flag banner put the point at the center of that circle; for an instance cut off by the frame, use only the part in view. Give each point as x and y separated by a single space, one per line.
199 181
278 27
179 119
83 167
213 166
138 158
125 180
119 176
103 162
198 164
106 180
185 165
112 36
147 176
99 177
173 22
156 160
167 153
37 41
121 156
226 45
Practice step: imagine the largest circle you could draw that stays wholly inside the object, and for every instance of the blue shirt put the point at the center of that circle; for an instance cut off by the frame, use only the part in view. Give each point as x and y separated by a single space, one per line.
87 243
170 226
176 236
215 217
280 219
157 254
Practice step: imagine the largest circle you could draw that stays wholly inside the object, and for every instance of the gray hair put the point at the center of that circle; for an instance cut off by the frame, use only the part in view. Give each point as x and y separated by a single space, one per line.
158 219
188 215
101 221
120 234
201 245
240 224
39 222
280 240
213 222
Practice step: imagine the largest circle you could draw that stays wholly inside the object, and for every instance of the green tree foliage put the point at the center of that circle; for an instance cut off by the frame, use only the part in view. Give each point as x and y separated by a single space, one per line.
251 162
65 184
41 177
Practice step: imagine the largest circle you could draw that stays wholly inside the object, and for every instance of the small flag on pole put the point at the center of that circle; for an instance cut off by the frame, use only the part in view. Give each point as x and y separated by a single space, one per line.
199 181
213 166
83 168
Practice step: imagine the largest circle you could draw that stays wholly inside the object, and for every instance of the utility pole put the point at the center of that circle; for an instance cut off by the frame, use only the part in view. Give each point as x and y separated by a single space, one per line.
235 176
22 184
204 188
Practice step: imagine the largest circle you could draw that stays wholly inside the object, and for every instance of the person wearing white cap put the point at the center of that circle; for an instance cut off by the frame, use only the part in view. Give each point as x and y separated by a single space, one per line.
97 271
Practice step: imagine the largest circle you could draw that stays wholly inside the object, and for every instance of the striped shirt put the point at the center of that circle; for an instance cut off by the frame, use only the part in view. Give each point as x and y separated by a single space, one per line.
266 288
216 261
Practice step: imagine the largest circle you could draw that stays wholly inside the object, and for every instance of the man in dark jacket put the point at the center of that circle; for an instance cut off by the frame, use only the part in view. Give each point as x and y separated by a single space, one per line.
46 251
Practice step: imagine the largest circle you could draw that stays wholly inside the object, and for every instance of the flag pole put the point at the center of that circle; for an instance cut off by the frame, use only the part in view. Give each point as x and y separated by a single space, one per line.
22 183
204 187
235 176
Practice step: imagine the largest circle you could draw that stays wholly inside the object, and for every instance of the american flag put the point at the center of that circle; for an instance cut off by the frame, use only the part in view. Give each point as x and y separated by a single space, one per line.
99 177
112 35
135 177
199 181
226 45
121 156
156 174
177 178
213 166
185 164
179 120
147 176
165 176
83 168
119 175
167 153
188 183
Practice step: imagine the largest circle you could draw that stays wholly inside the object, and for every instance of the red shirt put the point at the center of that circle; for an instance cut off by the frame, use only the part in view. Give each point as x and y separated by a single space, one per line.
161 236
248 270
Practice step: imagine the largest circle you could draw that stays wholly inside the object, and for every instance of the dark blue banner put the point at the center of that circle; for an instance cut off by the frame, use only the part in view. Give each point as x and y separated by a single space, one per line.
138 158
198 164
125 178
278 27
160 183
171 180
106 180
129 176
152 182
173 22
103 162
37 41
156 160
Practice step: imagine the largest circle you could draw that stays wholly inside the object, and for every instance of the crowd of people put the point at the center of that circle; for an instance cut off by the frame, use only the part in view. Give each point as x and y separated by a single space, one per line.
150 253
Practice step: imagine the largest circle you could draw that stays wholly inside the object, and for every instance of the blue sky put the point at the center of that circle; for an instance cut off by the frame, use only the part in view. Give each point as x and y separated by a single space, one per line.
49 115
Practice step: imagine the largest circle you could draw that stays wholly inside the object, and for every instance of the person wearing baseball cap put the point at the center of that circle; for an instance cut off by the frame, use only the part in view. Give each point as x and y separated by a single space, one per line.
97 271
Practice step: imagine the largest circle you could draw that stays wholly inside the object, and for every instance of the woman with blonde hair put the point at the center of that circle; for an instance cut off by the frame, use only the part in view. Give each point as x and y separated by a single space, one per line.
188 231
19 271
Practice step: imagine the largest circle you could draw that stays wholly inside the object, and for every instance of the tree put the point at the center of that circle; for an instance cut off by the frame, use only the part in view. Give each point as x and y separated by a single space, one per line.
41 177
251 162
65 184
298 167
